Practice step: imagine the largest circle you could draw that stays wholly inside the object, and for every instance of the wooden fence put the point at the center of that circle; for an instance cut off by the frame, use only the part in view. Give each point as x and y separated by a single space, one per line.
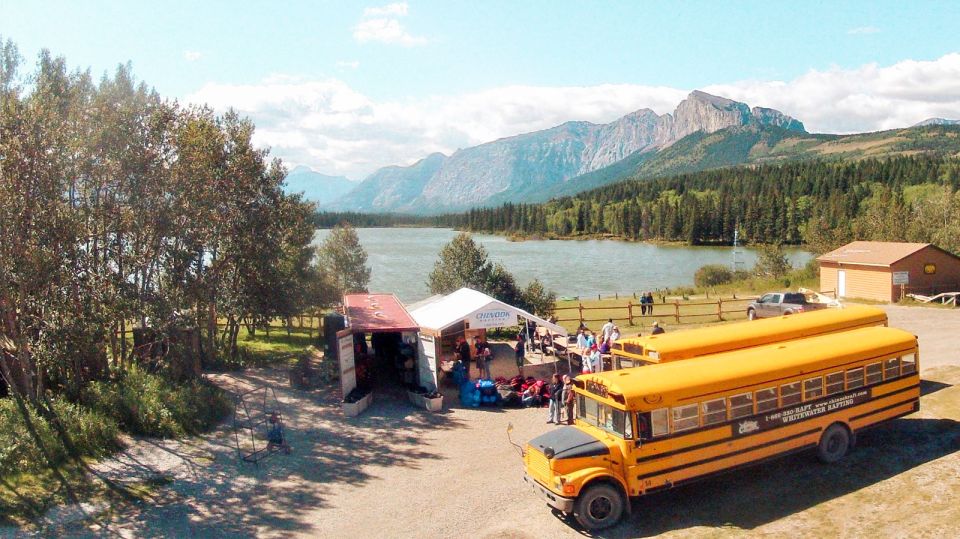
679 311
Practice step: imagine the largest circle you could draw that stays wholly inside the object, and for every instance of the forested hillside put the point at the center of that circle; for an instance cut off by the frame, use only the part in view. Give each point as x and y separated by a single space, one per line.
821 203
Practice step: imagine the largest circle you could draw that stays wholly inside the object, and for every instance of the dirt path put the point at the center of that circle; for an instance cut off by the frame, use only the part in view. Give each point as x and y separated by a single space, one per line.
402 472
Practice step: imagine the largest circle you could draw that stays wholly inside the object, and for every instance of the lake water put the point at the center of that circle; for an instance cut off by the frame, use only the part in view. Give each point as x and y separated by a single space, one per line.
401 259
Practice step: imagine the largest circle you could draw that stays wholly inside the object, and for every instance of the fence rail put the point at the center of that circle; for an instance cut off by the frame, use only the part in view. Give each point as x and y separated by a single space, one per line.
676 309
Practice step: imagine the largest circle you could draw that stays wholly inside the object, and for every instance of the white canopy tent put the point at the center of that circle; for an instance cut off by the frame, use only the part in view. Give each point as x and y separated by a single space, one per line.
475 309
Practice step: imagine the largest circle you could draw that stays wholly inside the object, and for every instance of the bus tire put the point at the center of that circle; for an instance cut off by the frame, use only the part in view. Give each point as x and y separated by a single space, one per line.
751 314
599 506
834 444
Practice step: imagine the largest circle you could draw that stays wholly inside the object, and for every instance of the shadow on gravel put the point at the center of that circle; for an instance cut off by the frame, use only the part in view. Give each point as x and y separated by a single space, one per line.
931 386
762 494
214 494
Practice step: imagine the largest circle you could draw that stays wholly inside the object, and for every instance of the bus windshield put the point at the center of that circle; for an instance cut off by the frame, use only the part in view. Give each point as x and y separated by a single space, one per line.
605 417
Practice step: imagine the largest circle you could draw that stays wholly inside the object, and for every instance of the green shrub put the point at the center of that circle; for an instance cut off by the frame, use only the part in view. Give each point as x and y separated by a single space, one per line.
149 404
92 433
712 275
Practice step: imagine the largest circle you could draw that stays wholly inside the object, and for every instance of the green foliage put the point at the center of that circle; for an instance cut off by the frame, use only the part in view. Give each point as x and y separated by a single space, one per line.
712 275
149 404
814 202
538 300
344 261
92 433
772 262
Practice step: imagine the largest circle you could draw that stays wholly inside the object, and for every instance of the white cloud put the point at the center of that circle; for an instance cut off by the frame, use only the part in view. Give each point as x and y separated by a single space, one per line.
334 128
863 30
382 25
388 31
348 64
399 9
192 56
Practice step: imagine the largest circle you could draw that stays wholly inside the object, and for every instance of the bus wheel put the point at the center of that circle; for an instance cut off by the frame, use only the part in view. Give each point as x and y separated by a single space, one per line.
599 506
751 314
833 444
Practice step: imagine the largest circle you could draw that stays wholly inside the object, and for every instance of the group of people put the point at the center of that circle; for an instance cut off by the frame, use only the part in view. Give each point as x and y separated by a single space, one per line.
592 347
483 355
561 400
646 303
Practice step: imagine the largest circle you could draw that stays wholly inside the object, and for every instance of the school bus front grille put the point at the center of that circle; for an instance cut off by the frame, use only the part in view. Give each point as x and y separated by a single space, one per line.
538 466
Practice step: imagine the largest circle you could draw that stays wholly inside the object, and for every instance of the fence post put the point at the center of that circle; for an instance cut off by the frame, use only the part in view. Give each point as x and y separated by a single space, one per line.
630 311
581 312
720 309
676 306
616 295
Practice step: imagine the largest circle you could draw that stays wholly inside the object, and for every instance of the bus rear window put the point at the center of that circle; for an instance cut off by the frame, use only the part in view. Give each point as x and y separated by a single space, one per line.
908 363
789 394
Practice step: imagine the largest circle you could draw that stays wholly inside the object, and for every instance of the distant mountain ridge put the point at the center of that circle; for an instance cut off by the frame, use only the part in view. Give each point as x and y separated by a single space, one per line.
937 121
522 167
319 188
703 132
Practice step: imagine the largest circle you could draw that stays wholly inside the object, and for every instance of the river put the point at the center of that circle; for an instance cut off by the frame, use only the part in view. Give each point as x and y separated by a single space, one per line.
401 259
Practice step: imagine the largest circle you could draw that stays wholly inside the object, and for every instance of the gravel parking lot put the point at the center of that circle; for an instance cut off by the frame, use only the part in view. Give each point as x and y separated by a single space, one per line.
398 471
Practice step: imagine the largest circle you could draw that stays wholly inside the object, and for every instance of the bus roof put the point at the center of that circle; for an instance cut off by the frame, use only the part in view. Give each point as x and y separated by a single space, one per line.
678 382
723 338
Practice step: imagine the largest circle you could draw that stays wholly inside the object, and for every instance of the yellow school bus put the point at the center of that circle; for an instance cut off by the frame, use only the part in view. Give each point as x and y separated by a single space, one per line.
639 431
652 349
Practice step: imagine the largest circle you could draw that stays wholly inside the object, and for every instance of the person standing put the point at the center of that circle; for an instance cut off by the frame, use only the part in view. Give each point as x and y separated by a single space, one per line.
519 351
657 330
463 350
606 330
556 399
650 303
614 335
568 398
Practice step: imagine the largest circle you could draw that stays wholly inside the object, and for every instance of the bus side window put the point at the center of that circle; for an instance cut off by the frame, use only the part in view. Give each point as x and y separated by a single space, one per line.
908 363
714 411
812 388
874 373
834 383
789 394
891 368
685 417
741 405
766 399
855 378
659 422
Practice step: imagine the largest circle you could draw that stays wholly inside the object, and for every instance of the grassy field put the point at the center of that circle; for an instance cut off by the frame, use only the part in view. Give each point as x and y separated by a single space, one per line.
693 311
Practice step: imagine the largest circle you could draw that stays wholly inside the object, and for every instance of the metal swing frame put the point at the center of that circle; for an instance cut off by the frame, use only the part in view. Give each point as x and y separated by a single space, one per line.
250 421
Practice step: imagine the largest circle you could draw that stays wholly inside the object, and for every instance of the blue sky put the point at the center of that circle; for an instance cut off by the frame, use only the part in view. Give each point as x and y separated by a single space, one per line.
347 87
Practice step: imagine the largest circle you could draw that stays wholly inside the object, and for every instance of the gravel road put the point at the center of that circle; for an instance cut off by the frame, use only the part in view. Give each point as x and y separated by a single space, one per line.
398 471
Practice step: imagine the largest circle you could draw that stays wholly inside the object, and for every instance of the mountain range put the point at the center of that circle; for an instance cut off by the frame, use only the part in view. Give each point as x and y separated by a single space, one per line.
317 187
703 132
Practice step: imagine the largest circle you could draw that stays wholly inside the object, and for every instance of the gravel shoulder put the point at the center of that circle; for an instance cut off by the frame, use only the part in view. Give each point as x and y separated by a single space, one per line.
398 471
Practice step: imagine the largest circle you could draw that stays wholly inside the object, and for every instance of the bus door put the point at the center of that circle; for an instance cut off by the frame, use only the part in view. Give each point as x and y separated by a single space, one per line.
650 426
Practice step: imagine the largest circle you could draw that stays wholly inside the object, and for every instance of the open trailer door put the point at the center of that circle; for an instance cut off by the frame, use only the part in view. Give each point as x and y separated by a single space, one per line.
348 366
427 361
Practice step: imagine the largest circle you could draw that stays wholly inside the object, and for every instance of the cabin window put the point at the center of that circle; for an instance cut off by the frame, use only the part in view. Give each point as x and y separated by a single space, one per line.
685 417
741 405
714 411
835 383
789 394
659 422
909 363
855 378
891 368
766 399
812 388
874 373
